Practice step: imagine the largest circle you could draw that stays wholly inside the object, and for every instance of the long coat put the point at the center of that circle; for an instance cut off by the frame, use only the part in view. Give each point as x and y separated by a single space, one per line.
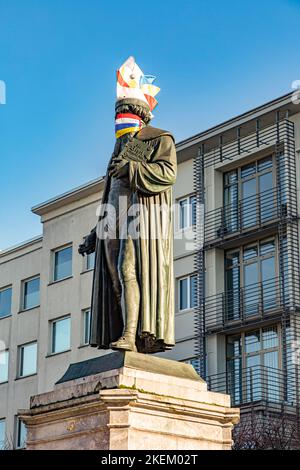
151 183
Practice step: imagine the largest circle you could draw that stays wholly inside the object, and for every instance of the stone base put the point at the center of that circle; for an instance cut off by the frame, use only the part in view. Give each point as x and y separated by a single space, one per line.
130 401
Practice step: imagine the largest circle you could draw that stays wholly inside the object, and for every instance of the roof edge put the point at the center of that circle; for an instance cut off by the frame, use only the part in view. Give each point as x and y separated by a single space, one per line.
277 102
20 246
88 187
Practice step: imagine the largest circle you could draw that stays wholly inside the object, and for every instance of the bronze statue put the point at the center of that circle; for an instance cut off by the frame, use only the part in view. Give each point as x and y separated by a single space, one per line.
133 291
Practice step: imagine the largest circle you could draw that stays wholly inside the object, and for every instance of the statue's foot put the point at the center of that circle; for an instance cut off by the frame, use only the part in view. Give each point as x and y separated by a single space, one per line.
124 343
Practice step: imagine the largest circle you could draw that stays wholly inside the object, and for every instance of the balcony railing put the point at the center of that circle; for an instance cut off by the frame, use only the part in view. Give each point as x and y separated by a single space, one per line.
243 145
242 217
256 384
237 307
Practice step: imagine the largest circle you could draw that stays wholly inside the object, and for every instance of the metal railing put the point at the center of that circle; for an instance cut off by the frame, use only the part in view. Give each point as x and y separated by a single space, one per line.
253 303
250 214
243 145
256 384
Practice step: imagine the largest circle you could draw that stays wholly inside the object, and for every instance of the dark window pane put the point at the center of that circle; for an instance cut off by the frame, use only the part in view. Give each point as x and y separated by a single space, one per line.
249 204
63 264
265 163
91 260
270 337
234 346
31 293
87 324
250 252
252 341
4 357
248 170
61 335
28 358
232 259
251 289
230 177
183 213
267 247
183 294
5 302
21 434
2 434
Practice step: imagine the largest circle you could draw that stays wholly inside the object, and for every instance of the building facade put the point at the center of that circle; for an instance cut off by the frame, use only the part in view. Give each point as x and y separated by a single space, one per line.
236 260
248 300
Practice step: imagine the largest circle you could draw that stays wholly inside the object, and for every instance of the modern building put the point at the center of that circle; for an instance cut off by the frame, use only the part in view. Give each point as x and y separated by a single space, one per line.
236 274
247 177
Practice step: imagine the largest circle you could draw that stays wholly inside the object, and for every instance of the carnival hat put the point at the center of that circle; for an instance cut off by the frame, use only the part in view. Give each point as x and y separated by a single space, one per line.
132 83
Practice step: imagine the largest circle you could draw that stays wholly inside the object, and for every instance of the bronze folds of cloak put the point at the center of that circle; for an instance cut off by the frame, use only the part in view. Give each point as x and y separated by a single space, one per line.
133 285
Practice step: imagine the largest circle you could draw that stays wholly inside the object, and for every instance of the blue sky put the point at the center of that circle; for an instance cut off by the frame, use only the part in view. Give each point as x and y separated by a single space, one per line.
213 59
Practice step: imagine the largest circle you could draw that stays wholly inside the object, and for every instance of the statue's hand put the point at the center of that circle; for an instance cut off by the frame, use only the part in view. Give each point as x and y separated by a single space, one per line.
89 244
118 168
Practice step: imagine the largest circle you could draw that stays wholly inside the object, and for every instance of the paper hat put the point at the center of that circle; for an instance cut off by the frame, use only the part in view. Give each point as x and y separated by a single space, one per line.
132 83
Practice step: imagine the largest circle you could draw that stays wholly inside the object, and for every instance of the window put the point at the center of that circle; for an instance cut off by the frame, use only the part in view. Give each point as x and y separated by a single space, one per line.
27 359
195 362
4 357
2 434
187 292
90 261
253 364
61 335
249 197
62 263
5 302
21 434
187 212
31 293
86 327
251 282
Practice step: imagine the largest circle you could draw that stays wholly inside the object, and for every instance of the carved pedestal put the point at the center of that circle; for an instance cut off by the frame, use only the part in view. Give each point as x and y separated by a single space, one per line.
124 401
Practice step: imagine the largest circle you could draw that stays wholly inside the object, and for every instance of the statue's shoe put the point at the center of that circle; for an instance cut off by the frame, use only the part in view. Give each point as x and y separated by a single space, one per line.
124 343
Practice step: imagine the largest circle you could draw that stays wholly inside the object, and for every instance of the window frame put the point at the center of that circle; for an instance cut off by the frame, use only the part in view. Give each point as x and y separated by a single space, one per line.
87 268
239 186
18 424
244 355
52 323
53 264
3 420
84 313
20 364
189 213
242 263
3 352
188 278
25 281
3 289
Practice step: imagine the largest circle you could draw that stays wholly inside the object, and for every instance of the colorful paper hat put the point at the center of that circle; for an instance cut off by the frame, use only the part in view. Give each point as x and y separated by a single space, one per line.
132 83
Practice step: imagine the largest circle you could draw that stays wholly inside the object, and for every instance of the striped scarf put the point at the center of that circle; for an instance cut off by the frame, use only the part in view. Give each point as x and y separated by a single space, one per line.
126 123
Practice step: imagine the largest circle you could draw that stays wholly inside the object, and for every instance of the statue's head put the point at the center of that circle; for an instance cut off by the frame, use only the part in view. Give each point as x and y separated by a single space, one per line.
134 106
135 91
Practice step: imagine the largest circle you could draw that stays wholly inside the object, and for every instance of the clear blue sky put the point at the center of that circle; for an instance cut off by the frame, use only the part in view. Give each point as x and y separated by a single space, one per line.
213 58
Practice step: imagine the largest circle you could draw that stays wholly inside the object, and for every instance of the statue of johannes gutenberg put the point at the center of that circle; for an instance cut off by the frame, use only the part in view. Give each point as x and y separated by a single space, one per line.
133 291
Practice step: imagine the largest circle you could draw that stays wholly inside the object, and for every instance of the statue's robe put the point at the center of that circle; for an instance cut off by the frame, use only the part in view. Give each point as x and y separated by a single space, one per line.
151 183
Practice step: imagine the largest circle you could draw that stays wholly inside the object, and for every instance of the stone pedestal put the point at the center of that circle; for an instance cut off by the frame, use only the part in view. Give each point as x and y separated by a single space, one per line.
124 401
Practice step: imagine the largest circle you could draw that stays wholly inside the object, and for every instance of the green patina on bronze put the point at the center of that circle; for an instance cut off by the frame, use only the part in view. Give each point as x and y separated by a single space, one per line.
133 286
